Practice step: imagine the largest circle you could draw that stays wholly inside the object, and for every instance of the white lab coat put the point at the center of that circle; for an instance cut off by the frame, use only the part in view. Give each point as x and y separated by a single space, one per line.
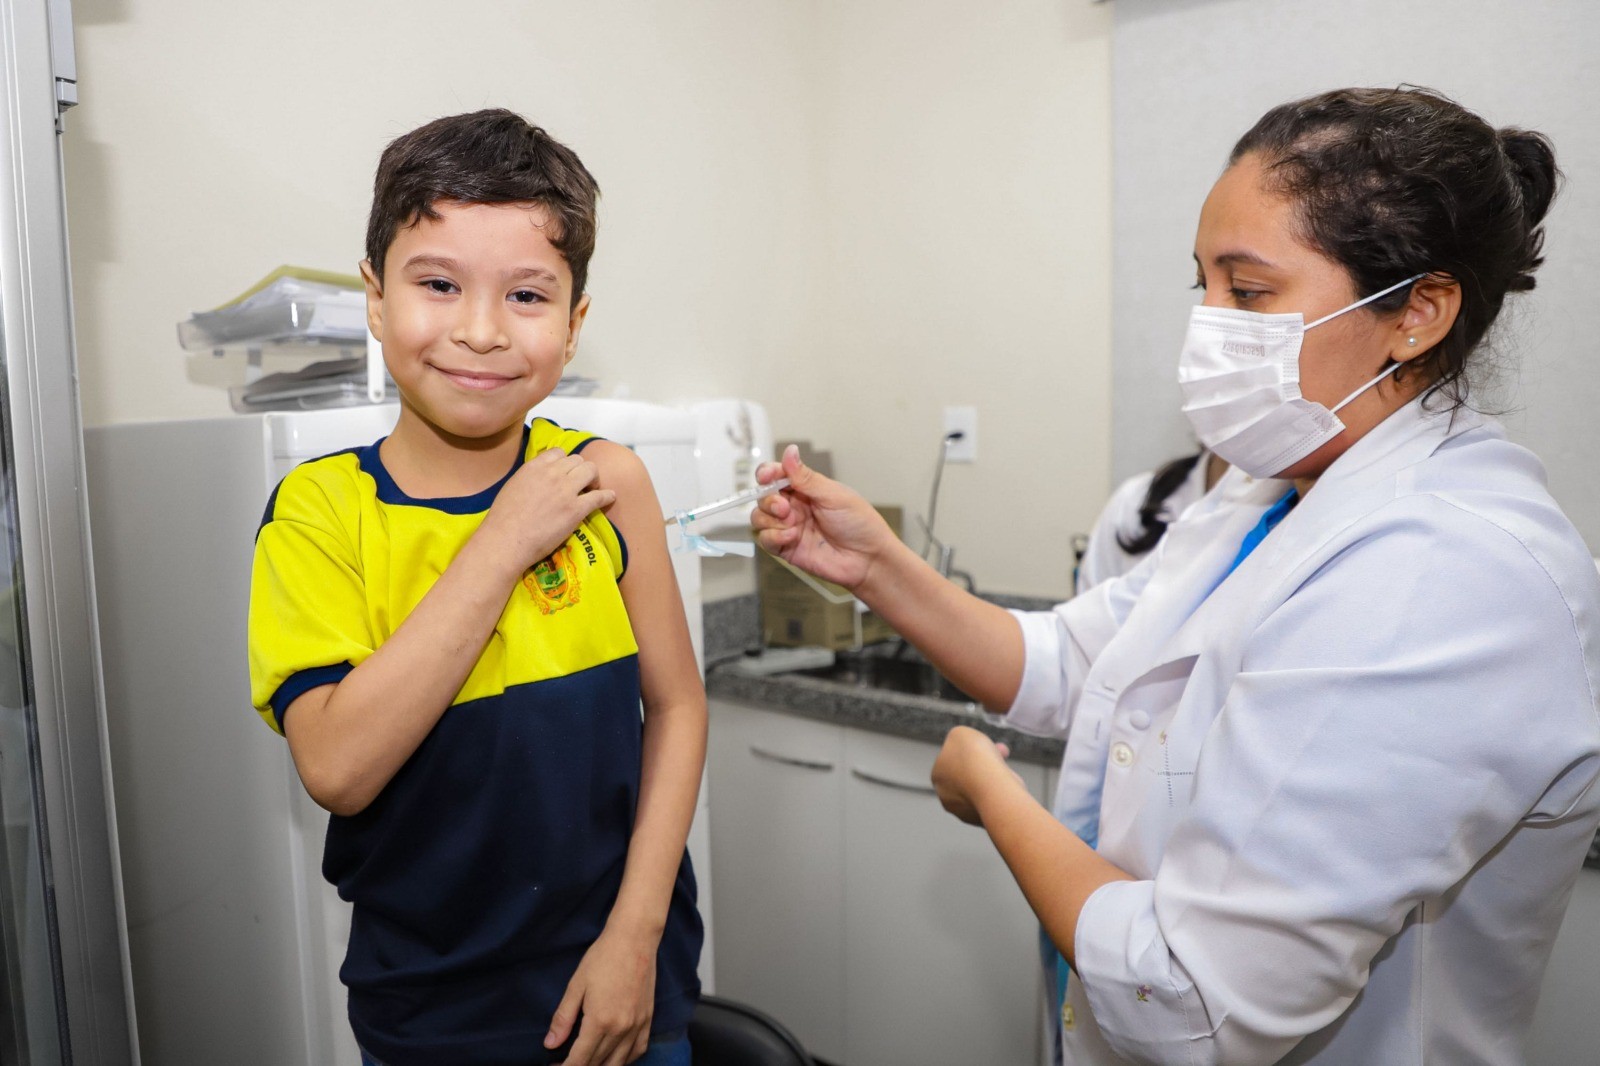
1104 557
1354 781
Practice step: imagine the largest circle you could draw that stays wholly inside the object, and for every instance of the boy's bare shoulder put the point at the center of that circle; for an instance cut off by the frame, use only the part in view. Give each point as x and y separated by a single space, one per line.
621 470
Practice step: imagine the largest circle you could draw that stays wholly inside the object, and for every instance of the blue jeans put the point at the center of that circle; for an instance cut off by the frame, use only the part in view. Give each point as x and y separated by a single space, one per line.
673 1051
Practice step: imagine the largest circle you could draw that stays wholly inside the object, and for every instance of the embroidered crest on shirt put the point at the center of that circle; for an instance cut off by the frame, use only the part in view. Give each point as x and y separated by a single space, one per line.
553 583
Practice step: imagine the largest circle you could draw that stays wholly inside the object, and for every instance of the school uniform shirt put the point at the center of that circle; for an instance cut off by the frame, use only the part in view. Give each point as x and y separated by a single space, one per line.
488 865
1104 557
1354 779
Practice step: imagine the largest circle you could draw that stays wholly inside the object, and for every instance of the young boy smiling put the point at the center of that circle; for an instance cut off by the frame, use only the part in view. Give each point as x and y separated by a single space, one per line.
455 629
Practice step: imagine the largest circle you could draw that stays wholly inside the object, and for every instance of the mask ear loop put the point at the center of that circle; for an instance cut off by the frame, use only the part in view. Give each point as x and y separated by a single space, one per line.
1346 401
1375 296
1361 303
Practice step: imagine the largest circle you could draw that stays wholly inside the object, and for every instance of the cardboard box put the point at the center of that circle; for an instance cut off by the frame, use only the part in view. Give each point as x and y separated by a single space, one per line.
794 614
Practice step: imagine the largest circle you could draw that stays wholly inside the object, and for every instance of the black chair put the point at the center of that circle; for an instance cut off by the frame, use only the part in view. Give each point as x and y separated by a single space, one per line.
725 1033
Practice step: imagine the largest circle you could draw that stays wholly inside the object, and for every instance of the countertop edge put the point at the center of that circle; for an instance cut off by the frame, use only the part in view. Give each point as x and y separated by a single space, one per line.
923 718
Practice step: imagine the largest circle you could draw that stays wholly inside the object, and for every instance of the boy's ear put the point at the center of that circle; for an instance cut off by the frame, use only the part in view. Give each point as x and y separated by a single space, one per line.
580 311
374 299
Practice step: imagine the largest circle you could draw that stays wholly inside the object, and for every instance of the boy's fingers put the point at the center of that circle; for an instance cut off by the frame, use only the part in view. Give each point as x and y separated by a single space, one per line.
553 454
566 1014
598 500
583 1052
617 1054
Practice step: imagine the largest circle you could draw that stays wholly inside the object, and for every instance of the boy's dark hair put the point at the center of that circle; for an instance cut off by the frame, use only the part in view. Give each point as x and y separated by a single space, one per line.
486 157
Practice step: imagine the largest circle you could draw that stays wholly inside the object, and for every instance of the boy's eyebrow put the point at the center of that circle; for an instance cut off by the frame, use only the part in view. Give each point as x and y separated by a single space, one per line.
448 265
542 274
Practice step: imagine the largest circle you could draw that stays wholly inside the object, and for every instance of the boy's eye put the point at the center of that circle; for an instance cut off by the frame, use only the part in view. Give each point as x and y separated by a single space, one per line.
439 285
526 296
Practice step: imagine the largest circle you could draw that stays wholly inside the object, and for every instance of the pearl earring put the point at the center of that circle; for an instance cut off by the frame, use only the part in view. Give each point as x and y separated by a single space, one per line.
1412 341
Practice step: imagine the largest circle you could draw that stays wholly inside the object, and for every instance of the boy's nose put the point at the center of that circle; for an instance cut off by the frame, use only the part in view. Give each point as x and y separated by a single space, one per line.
479 326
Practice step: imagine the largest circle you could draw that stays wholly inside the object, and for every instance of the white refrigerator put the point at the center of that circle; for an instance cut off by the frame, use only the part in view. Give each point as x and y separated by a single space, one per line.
235 938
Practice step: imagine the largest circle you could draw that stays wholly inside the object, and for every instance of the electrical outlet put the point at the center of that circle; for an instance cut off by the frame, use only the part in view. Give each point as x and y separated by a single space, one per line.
963 420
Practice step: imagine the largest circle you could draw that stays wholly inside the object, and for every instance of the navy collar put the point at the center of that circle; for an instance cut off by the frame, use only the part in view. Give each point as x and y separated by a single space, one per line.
478 502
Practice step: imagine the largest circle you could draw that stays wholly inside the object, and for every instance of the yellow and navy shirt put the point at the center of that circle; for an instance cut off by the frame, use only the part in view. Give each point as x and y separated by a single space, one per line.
488 865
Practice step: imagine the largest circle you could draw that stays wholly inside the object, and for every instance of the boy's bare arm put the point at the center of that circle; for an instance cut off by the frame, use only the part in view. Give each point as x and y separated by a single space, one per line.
615 983
349 739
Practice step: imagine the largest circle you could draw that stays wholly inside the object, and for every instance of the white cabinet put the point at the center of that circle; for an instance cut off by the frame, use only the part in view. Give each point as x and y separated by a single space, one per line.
853 909
941 962
778 866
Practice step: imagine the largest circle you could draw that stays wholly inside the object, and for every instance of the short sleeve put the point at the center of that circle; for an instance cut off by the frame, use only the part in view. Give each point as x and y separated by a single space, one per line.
308 624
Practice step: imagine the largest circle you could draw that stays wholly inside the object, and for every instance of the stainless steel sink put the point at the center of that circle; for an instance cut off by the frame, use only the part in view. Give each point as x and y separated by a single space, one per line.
891 667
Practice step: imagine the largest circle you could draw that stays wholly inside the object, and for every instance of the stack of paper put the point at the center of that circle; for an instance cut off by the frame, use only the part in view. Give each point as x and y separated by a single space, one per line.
291 305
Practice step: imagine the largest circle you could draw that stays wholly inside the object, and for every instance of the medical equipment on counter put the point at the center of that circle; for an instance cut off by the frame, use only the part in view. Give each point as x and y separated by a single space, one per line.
732 438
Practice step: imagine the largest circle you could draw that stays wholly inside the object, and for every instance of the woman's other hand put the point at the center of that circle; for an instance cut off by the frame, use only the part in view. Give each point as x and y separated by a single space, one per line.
818 524
968 763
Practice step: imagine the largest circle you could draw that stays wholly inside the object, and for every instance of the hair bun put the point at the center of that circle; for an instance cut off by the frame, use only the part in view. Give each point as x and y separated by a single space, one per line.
1533 164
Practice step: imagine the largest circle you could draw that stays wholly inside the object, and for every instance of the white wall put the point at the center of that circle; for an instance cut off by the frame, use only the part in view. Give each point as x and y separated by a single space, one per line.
215 142
967 187
854 213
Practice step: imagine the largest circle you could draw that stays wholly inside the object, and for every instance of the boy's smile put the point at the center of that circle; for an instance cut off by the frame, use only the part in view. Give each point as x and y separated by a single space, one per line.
476 318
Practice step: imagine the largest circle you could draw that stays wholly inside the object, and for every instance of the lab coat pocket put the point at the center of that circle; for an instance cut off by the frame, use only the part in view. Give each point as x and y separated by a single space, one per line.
1150 763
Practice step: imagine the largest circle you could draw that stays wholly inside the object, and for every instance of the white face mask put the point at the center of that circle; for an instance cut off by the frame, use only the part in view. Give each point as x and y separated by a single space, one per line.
1240 376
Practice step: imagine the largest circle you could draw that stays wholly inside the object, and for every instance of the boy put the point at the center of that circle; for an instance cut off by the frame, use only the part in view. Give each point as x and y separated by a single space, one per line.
443 626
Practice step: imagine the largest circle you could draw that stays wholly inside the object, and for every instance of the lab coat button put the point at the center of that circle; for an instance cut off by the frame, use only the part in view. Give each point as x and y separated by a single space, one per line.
1139 719
1121 754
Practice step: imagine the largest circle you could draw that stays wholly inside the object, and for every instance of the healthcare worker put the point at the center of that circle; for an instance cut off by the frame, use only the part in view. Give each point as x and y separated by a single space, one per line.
1333 746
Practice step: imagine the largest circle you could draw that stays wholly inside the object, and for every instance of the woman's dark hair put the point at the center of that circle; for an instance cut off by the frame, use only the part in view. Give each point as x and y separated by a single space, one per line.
1396 182
1163 483
486 157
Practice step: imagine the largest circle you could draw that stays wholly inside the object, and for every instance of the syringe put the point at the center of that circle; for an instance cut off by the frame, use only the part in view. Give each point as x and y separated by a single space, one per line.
738 499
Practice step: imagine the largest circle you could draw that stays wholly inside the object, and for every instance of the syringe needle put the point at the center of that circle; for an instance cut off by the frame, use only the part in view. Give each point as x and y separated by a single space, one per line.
736 500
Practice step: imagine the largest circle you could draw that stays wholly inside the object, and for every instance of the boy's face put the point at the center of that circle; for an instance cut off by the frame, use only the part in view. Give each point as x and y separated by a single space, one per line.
475 314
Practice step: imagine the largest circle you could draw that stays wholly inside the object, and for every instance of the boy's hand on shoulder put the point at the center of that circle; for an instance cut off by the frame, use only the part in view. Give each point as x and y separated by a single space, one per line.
540 506
614 990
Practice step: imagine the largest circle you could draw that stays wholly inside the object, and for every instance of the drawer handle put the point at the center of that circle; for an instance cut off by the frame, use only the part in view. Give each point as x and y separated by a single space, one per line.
927 790
789 760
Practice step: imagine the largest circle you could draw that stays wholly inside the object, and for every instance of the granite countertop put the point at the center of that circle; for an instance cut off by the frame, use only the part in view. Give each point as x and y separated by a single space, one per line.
901 714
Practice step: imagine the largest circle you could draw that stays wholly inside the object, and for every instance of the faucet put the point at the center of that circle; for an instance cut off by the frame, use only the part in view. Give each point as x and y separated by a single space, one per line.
943 554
